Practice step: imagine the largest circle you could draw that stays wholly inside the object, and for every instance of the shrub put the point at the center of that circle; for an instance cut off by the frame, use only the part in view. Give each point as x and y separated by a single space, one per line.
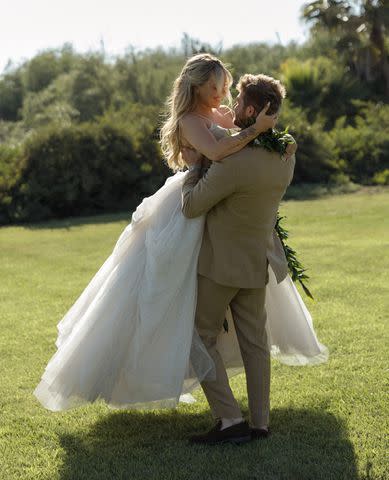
11 96
322 87
315 159
79 170
363 146
381 178
10 160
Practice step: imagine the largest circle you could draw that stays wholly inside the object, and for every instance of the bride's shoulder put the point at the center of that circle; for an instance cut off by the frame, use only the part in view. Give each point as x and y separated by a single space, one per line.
192 119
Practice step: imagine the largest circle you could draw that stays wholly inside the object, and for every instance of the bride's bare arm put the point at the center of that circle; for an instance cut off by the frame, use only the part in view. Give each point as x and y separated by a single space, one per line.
196 132
224 117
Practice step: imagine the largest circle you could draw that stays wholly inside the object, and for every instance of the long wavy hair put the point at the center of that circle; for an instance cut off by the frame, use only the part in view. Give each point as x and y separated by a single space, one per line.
197 71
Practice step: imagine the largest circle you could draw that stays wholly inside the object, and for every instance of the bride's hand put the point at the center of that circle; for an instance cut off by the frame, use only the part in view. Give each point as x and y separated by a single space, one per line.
264 122
290 151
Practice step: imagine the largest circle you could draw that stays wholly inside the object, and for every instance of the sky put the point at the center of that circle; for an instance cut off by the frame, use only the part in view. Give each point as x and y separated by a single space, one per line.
30 26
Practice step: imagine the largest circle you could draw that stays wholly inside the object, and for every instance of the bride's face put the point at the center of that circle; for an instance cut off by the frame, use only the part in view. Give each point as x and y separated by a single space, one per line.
210 94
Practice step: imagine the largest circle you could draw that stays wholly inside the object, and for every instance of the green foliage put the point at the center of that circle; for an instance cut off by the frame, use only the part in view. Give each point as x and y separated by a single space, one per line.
80 169
322 88
273 140
145 77
44 68
321 44
303 84
41 71
257 58
9 173
50 106
12 133
360 29
11 96
381 178
91 88
191 46
363 148
337 115
296 269
315 159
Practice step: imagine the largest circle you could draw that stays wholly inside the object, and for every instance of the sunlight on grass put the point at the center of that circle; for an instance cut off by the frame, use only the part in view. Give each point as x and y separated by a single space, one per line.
328 421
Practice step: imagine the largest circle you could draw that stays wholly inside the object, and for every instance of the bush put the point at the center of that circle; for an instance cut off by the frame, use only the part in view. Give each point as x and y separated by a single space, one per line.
92 88
363 146
381 178
78 170
11 96
12 133
47 108
323 88
10 160
315 159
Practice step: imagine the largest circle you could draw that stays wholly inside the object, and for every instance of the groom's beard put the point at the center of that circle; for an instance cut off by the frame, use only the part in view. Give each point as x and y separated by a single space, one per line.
243 122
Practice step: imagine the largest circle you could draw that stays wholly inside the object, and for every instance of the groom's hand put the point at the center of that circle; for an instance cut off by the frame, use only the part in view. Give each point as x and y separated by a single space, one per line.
191 157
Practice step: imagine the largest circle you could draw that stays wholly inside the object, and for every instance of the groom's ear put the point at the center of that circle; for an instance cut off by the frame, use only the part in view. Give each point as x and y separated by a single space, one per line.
250 111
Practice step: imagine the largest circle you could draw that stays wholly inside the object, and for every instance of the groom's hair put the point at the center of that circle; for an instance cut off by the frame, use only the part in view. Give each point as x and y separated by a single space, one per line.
258 90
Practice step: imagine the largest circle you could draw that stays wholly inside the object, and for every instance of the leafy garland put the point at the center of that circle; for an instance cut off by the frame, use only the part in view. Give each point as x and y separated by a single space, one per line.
295 267
272 140
277 141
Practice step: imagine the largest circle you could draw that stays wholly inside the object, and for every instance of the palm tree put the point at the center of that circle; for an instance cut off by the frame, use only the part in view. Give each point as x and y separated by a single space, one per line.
361 29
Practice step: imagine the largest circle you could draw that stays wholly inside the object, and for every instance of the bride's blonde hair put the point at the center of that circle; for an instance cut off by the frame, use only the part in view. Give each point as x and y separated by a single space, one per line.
197 70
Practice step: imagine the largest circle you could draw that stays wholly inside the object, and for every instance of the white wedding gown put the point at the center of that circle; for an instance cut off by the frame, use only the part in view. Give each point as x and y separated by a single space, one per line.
130 339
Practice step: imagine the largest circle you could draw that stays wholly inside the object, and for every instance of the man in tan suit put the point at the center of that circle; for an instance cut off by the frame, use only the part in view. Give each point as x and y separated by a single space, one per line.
241 195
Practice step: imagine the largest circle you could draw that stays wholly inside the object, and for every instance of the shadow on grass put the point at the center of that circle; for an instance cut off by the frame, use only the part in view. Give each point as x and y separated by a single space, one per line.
305 445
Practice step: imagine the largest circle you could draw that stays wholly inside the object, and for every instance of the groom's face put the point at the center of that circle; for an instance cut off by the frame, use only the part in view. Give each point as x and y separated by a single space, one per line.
241 113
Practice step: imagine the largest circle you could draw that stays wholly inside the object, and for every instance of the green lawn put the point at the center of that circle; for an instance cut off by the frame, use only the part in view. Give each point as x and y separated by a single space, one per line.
329 421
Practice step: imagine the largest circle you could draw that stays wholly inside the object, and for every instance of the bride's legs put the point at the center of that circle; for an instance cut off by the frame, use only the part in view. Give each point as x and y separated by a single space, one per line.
212 302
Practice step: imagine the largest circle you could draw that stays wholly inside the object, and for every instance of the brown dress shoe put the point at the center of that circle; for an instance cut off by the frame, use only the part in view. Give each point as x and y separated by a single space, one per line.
237 434
259 433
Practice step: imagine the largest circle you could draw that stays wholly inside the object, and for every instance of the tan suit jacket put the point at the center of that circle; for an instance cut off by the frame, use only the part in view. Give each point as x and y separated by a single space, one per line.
241 195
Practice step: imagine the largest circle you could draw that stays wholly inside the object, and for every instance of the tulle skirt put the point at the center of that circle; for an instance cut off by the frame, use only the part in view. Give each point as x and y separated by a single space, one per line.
130 339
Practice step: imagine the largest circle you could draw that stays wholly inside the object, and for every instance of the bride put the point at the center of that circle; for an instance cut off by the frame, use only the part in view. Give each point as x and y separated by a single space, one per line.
130 339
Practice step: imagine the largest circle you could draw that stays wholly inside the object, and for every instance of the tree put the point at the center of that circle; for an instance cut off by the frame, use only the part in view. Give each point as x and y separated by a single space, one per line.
190 46
361 30
11 96
91 90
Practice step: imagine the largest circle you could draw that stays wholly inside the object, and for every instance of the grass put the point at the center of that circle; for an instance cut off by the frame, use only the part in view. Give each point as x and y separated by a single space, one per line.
329 422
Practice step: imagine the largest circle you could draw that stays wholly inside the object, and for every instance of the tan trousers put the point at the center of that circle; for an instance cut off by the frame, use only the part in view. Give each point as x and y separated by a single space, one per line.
249 314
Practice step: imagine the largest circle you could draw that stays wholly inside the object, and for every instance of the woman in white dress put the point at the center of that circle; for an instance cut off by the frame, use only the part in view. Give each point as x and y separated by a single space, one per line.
129 339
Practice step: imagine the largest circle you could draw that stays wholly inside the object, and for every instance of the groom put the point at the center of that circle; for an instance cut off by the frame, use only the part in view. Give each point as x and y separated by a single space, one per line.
241 195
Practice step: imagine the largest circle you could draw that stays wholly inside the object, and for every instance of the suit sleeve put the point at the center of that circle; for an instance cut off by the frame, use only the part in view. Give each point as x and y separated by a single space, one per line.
199 195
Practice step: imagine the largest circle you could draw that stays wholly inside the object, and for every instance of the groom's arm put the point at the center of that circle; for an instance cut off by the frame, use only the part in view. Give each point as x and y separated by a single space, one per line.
199 195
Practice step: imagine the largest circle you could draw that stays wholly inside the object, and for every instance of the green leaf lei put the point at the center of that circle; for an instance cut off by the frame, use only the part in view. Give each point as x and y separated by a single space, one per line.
272 140
295 267
277 141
